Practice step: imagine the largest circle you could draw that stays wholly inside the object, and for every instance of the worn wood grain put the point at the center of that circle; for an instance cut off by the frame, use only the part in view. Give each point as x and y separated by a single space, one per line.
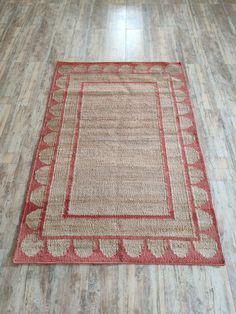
33 35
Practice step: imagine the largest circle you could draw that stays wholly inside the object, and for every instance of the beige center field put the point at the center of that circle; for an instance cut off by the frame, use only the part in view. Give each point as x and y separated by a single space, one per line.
119 167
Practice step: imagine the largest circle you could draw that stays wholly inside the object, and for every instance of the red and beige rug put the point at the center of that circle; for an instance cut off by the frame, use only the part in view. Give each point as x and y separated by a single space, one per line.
118 175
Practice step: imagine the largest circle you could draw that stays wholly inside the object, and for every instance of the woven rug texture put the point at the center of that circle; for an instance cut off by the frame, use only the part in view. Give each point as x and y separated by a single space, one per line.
118 175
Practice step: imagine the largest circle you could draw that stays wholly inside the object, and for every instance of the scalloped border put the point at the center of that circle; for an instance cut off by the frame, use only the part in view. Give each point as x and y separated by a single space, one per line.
122 250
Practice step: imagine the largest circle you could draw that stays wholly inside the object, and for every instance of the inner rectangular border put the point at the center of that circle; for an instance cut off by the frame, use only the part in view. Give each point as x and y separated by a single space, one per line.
163 156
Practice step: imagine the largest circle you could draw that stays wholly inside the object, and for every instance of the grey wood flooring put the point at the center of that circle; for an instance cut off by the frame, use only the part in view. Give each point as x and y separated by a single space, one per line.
36 33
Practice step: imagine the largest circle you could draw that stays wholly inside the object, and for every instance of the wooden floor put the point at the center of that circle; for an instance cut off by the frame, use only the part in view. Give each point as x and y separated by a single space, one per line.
36 33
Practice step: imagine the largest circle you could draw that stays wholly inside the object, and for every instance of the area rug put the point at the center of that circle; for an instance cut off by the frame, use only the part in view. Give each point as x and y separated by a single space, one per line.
118 175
